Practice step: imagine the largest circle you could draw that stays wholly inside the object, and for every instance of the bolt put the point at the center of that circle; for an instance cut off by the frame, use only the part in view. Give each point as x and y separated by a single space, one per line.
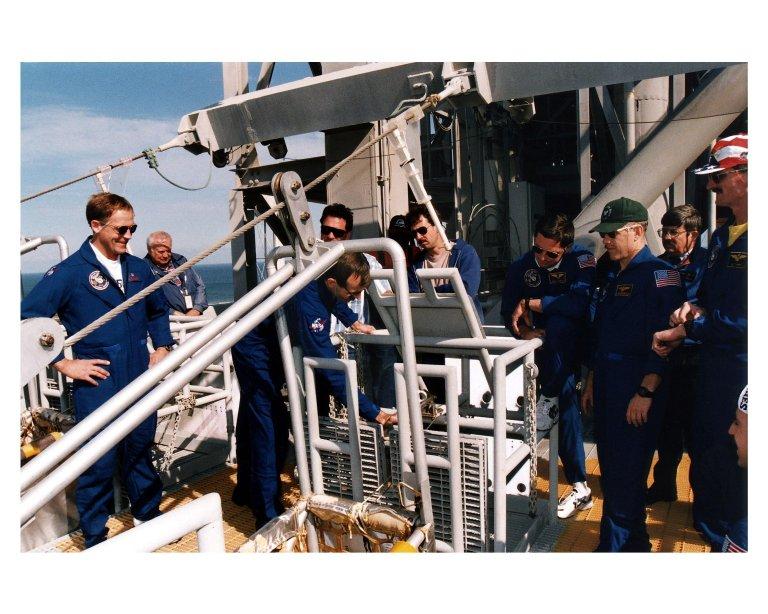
47 340
304 216
295 186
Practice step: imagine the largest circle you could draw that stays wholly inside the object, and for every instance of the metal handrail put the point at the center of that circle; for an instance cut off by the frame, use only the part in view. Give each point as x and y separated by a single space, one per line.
72 468
203 515
89 426
35 242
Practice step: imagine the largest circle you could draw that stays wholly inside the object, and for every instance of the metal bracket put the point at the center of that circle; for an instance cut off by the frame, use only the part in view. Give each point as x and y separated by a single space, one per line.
288 188
418 81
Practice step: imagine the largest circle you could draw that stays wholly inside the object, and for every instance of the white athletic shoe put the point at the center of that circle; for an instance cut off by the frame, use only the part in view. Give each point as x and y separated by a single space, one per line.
575 501
547 411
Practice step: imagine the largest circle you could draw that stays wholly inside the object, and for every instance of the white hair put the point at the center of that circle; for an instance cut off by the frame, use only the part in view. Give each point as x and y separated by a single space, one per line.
158 234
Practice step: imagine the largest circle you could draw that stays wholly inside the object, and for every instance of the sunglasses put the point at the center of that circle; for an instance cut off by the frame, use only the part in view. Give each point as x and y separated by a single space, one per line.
330 230
420 231
613 233
669 232
718 177
121 230
549 254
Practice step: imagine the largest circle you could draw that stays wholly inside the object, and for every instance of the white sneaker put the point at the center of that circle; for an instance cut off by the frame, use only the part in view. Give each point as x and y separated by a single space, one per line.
575 501
547 411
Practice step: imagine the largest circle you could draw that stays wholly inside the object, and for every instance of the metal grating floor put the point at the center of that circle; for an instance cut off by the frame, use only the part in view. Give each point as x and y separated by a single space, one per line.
669 524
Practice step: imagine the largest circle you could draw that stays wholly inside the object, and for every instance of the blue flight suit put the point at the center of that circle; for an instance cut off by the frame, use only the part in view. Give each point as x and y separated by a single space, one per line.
675 433
564 291
719 484
80 290
633 304
309 318
188 284
262 422
462 257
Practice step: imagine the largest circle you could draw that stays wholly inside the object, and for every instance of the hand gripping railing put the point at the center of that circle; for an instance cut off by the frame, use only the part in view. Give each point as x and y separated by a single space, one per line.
202 515
69 470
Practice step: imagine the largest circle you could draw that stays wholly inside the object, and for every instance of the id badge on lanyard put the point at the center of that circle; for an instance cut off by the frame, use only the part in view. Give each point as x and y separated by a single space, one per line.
187 299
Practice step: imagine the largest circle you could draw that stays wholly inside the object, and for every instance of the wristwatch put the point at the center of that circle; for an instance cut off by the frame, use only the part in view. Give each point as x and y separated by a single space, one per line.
642 391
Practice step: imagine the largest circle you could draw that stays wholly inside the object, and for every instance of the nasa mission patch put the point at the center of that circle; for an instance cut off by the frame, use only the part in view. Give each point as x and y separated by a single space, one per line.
317 326
532 278
98 281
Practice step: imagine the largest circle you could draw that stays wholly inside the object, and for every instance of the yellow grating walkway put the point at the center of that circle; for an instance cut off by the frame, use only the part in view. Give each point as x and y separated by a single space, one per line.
670 525
238 521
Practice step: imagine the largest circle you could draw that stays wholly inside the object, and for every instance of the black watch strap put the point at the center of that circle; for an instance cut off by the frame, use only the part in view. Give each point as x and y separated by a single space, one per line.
642 391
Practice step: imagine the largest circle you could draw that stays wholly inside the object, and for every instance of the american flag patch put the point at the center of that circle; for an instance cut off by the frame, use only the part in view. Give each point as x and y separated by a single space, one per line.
133 277
667 278
586 261
731 546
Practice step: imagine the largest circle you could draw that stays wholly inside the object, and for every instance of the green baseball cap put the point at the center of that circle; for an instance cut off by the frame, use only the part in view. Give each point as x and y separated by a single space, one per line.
619 212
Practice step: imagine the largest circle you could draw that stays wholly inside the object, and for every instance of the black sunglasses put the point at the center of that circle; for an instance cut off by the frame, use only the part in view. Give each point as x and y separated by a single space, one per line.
121 230
718 177
330 230
541 251
421 231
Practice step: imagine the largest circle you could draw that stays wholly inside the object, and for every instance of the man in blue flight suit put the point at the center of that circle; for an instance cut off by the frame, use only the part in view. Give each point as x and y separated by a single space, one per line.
185 293
549 289
736 534
719 321
262 421
679 232
85 286
625 385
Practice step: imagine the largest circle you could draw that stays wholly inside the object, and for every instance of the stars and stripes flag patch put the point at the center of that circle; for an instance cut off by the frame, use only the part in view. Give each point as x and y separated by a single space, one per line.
731 546
667 278
133 277
586 260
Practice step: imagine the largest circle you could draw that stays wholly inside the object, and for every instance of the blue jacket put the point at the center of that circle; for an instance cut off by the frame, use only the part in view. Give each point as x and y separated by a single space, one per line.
80 290
564 291
634 304
309 320
463 257
723 294
691 275
189 283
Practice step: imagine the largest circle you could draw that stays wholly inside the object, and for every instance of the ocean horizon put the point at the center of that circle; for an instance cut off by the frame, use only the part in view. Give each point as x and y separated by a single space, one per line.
216 277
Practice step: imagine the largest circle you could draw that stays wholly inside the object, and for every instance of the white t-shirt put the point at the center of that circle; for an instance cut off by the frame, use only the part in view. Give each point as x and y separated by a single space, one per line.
114 268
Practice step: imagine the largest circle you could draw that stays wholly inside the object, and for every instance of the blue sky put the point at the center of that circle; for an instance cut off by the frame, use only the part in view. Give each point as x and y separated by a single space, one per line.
78 116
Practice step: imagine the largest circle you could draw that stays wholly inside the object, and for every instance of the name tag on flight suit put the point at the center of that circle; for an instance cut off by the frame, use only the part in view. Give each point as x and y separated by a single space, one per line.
624 290
557 277
737 260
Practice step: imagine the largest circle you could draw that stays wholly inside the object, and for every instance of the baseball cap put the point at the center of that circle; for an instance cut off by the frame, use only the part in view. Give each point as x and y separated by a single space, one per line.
726 153
743 400
620 212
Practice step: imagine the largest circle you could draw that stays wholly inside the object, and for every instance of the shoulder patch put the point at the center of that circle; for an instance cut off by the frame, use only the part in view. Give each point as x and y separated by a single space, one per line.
667 277
532 278
586 260
317 325
51 271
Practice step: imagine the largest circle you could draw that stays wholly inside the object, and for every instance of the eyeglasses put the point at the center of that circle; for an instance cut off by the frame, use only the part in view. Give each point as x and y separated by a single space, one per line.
613 233
718 177
549 254
420 231
121 230
331 230
670 232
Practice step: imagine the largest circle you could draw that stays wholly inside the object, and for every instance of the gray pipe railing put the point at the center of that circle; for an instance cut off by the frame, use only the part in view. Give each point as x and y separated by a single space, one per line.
349 368
86 428
408 352
453 463
500 365
72 468
202 515
33 244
